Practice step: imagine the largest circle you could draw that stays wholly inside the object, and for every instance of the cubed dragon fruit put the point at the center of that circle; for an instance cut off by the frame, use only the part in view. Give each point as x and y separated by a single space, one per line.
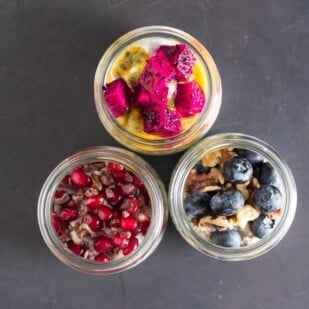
147 99
157 71
154 119
181 58
172 124
117 96
189 99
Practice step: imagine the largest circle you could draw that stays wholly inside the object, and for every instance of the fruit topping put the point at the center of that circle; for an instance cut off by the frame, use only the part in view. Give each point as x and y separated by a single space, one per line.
163 85
117 94
105 214
197 205
225 198
190 99
227 203
267 198
262 226
228 238
238 170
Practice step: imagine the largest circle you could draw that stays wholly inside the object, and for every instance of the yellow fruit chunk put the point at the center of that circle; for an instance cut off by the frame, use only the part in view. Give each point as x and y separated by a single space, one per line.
130 64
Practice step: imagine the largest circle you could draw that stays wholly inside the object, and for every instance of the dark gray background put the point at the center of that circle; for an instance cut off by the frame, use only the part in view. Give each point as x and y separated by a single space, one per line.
48 55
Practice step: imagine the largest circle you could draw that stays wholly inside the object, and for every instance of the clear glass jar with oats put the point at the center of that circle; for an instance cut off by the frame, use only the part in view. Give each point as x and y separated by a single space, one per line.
103 210
157 90
232 197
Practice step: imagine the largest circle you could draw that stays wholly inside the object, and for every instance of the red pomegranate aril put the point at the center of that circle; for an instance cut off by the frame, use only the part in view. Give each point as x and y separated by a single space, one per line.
78 250
133 243
71 204
121 241
101 258
115 166
120 175
137 181
79 178
94 202
144 227
114 196
93 222
56 221
103 244
128 190
58 194
68 214
128 224
104 213
66 180
133 205
116 214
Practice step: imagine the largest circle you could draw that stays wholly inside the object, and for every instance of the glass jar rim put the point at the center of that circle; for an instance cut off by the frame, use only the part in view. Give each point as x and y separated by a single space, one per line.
167 145
216 142
156 193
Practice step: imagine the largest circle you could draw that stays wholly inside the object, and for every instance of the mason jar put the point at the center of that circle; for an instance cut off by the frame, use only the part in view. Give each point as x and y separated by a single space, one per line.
177 186
202 122
157 197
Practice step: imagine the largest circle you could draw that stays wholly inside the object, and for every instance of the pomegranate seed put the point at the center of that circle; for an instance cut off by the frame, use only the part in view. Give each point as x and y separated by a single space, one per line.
115 166
137 230
121 241
66 180
56 224
133 205
129 190
58 194
71 204
78 250
68 214
94 201
103 244
145 227
133 243
120 175
104 213
128 224
93 221
116 214
79 178
137 181
101 258
114 196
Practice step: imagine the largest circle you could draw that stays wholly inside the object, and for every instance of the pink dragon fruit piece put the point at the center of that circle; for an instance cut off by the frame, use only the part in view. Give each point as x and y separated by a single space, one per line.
117 96
172 125
148 99
189 99
154 118
181 58
157 71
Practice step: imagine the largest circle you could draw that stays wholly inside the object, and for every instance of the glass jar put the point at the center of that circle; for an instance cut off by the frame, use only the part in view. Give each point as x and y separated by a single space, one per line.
157 197
165 145
231 140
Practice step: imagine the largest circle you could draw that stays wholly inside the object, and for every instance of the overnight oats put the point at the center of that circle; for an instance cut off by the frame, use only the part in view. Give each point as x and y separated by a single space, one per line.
102 210
237 199
157 90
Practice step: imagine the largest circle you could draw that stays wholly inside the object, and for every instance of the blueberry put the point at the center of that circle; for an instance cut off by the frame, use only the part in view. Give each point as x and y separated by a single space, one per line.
267 198
238 170
268 175
200 168
227 238
251 156
197 205
227 203
261 226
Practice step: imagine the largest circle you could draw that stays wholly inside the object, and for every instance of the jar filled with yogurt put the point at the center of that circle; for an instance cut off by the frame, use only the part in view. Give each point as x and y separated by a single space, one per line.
157 90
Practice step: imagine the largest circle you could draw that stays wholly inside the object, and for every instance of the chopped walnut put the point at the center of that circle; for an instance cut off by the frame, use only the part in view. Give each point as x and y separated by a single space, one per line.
212 159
